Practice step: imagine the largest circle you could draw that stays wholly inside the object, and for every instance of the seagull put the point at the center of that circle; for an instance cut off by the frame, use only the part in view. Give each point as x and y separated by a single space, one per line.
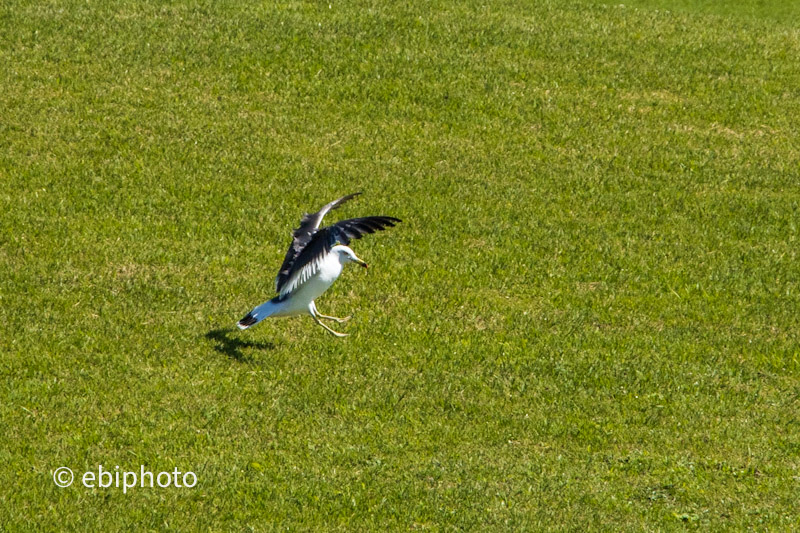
313 262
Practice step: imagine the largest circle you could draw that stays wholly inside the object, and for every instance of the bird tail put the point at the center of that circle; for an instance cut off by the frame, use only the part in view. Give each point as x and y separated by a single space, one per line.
247 321
257 315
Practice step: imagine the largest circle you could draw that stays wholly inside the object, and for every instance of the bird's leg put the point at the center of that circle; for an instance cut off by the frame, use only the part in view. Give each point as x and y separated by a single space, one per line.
318 321
339 320
312 310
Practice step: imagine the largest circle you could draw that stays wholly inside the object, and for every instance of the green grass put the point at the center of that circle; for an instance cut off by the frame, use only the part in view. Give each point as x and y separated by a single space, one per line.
587 320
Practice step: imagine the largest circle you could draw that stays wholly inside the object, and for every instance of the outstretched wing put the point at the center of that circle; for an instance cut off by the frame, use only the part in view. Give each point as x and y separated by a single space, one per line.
313 254
303 235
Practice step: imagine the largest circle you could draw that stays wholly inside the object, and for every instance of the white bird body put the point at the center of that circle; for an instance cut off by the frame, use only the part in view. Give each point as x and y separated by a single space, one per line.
312 264
313 288
329 270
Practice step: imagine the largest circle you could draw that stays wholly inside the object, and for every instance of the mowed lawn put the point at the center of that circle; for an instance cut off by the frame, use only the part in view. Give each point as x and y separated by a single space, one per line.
588 319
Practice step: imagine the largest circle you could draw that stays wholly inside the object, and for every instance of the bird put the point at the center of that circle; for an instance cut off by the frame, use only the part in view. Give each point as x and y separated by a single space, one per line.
315 260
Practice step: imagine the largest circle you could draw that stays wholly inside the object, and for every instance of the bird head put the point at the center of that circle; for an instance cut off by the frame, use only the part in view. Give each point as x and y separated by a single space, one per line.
346 255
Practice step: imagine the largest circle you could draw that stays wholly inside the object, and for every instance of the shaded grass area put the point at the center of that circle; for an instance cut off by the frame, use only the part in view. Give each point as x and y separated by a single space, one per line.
588 317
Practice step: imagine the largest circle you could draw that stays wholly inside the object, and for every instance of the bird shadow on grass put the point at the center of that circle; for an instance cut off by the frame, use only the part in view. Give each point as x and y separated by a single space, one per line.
229 344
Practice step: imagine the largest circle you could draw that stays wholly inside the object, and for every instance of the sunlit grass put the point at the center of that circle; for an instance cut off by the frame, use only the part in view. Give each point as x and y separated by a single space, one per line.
587 319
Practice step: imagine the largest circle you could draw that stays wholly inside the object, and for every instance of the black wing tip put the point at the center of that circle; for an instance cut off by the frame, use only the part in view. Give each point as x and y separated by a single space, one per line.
247 321
345 198
389 221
